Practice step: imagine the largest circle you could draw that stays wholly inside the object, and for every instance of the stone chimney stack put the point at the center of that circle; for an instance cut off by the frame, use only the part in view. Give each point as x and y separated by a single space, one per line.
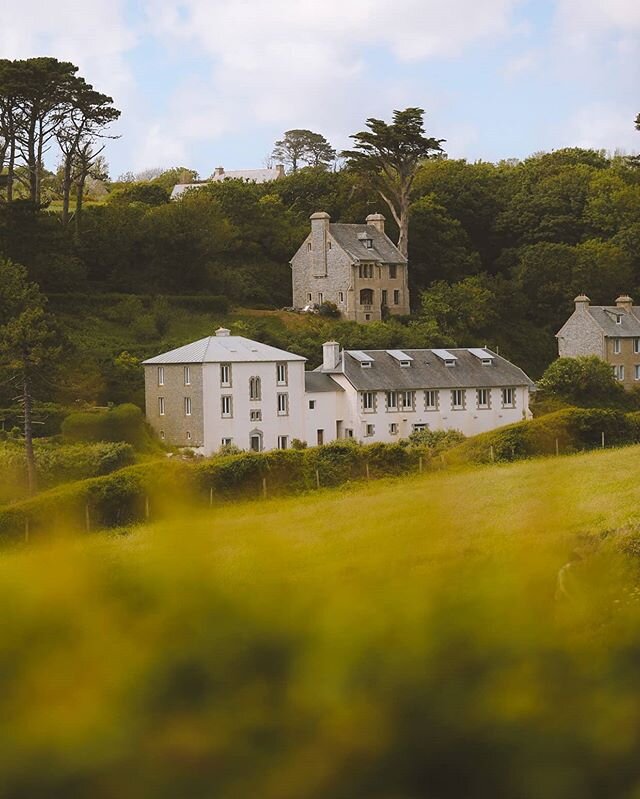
377 220
625 302
582 302
319 234
330 355
219 170
223 331
280 171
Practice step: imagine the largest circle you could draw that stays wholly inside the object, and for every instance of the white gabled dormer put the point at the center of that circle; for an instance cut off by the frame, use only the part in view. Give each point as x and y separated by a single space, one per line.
401 357
363 359
483 355
448 358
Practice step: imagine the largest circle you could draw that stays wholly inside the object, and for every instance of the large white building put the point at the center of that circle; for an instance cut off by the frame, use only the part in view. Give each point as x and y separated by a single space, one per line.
227 389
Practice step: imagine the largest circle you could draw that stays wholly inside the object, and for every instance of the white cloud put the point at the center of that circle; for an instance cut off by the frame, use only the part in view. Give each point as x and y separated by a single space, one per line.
602 126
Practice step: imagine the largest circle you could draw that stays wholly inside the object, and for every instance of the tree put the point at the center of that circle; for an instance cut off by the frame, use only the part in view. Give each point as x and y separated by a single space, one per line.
301 145
388 156
28 342
586 380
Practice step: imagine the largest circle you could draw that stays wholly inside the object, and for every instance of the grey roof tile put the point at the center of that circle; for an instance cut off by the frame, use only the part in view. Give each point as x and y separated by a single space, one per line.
224 349
383 249
320 382
605 316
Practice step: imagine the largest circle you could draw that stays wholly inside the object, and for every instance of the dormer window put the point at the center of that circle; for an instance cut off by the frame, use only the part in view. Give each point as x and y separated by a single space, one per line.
365 364
450 362
368 243
405 364
487 361
619 319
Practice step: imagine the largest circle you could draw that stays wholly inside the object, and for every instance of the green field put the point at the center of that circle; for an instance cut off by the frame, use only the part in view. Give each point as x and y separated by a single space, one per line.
398 639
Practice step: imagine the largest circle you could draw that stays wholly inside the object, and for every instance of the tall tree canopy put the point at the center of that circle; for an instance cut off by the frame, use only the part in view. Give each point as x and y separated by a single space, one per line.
388 156
303 146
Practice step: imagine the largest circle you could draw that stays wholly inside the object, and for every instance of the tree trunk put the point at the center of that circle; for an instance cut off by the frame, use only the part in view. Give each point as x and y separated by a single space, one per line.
403 238
79 199
28 436
11 166
66 191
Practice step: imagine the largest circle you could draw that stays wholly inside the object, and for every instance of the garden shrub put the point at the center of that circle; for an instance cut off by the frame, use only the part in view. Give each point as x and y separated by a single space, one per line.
122 423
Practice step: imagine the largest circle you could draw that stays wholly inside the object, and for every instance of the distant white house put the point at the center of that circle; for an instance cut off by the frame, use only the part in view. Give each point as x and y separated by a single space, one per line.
245 175
228 389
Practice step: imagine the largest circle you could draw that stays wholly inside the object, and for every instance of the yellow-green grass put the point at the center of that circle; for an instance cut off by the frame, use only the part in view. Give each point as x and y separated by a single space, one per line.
395 640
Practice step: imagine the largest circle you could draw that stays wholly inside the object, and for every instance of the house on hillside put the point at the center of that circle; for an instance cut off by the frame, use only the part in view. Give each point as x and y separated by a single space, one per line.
612 332
245 175
356 267
226 389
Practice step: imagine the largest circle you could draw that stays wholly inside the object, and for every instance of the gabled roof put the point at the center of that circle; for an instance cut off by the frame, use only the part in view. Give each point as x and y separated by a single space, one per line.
247 175
427 370
224 349
318 382
605 316
382 249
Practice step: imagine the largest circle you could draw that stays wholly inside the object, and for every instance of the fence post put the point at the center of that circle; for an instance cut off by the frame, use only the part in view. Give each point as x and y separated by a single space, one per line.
420 464
317 478
557 447
146 508
366 466
26 530
264 487
491 454
87 518
211 497
603 439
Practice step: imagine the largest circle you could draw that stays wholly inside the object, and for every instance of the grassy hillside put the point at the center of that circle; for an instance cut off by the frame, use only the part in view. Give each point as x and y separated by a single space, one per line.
400 639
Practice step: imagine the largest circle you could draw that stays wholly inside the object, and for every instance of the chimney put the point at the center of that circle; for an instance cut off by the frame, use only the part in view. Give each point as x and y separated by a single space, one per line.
582 302
222 331
330 355
319 232
377 220
280 171
625 302
219 170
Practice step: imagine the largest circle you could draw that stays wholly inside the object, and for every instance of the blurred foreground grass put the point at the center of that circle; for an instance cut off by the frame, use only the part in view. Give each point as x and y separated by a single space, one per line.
397 640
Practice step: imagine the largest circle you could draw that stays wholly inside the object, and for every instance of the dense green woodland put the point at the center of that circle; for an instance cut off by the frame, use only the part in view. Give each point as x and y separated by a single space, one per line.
497 251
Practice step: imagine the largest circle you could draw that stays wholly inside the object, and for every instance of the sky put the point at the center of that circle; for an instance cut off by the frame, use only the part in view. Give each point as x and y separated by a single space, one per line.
206 83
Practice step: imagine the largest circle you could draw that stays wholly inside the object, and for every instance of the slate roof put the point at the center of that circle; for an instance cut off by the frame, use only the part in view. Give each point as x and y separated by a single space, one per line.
318 382
605 316
429 371
250 175
224 349
383 249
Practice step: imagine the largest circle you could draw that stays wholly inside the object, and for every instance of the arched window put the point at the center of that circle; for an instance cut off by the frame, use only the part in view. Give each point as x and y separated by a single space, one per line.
254 388
366 296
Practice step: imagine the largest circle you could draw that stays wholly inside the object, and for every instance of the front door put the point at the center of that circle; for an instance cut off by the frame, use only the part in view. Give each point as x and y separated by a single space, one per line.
320 437
256 442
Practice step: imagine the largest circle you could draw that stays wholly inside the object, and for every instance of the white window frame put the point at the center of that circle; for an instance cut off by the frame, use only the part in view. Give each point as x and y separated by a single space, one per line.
161 375
507 393
636 345
636 369
162 435
341 297
431 393
309 297
282 373
255 389
392 401
396 296
369 430
225 375
393 271
283 442
312 405
188 435
255 415
187 375
455 392
226 400
226 442
618 372
483 405
393 429
411 396
369 401
617 346
283 403
187 406
161 406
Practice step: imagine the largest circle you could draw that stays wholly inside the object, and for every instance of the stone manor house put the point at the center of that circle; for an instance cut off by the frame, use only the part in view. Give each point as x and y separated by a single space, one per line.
226 389
356 267
612 332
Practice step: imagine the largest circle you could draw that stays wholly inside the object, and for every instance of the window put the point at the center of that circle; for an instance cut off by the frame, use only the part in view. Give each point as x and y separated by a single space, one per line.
283 442
392 400
431 400
393 429
320 298
405 364
226 403
369 429
348 433
449 362
482 397
328 245
368 401
396 297
341 296
508 397
161 406
281 374
365 364
226 442
393 271
407 400
187 406
308 246
255 389
368 243
616 346
225 374
162 435
618 319
255 442
636 345
312 405
367 317
457 399
255 416
161 375
419 426
188 436
309 297
636 370
187 375
365 270
384 297
283 404
618 372
366 296
319 437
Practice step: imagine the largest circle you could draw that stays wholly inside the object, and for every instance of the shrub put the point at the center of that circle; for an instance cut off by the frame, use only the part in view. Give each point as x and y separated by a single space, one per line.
586 380
436 440
122 423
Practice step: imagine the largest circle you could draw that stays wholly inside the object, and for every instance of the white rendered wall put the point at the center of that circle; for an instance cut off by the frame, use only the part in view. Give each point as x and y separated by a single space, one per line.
239 427
329 408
